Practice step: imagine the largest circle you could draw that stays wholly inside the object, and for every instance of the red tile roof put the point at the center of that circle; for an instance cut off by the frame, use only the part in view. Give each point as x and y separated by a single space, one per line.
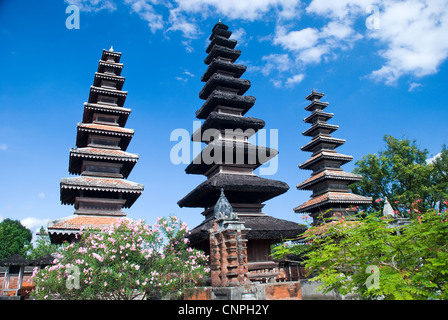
98 153
333 197
92 127
75 222
101 184
326 155
328 174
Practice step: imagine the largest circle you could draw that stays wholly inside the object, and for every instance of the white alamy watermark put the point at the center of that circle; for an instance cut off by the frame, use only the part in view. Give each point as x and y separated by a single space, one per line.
73 275
230 146
373 281
72 21
373 21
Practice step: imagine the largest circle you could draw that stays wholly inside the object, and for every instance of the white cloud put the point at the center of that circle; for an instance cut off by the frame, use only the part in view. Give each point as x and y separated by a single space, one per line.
181 23
3 147
248 10
276 62
41 195
147 12
411 38
34 223
240 35
414 34
431 160
294 80
414 85
93 5
296 40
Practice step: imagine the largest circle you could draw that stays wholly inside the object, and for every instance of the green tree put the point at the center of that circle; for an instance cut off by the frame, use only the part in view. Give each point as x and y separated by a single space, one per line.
402 174
42 245
129 260
14 238
439 177
370 259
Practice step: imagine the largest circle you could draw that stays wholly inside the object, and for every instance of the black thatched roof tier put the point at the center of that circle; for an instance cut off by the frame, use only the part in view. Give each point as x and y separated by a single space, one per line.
220 29
224 121
222 52
232 152
43 261
221 41
240 86
220 65
262 227
238 188
15 260
218 98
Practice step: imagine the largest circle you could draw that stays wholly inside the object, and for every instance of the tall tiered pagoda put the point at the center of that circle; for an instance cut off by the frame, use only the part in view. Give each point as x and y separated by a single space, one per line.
99 192
331 196
229 160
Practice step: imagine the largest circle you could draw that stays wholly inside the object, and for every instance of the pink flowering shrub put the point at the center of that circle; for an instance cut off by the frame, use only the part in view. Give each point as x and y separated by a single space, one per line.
128 260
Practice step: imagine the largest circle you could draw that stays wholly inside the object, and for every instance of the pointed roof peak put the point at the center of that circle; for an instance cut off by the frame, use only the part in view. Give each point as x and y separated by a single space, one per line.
112 50
314 95
223 209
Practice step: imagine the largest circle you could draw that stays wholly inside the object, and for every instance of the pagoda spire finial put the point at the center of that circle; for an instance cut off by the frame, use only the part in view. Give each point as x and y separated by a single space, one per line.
111 49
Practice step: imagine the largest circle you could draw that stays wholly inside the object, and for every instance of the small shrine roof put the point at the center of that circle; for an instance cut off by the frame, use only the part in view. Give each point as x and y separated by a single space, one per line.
316 104
221 41
110 77
314 95
220 30
100 128
107 108
321 139
223 52
70 188
107 154
223 121
220 65
330 198
219 80
225 99
326 155
317 113
328 174
319 124
114 54
101 184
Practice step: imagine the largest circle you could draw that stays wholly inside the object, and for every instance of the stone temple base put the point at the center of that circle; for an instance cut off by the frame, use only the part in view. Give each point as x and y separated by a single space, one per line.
264 291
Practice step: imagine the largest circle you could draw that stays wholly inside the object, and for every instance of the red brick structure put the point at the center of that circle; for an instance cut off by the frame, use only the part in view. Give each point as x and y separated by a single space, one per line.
228 250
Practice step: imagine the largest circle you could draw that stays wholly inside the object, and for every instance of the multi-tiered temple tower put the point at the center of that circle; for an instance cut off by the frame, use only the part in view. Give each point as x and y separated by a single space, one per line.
100 160
229 160
328 181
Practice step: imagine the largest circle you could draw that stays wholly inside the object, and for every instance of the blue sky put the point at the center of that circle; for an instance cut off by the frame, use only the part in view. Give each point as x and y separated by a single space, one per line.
390 79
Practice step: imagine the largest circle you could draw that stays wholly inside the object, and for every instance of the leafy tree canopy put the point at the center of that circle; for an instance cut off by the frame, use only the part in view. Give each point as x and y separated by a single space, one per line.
14 238
402 174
